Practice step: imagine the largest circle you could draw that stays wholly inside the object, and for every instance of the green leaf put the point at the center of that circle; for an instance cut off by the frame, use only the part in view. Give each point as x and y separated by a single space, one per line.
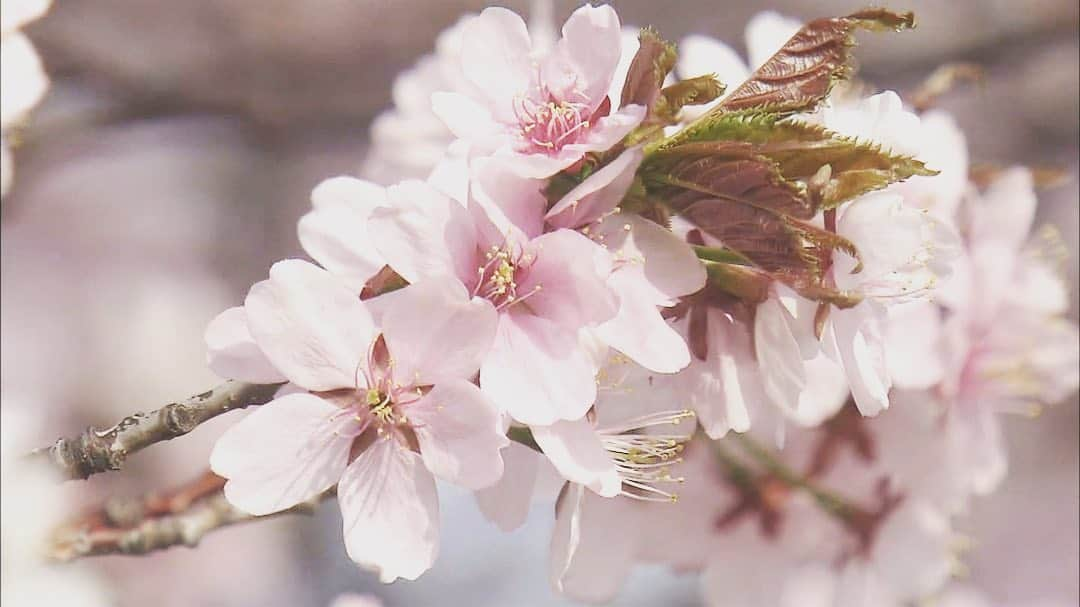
800 151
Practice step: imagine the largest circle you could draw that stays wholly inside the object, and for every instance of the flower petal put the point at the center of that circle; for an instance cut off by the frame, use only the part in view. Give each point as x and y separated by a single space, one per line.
537 371
231 351
670 265
575 449
283 453
568 280
495 58
464 117
609 130
435 332
507 502
861 348
425 234
459 434
586 57
599 194
593 545
638 330
390 512
312 327
335 232
779 354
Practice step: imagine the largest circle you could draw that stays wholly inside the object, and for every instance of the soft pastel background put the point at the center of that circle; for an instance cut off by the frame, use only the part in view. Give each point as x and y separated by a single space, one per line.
168 165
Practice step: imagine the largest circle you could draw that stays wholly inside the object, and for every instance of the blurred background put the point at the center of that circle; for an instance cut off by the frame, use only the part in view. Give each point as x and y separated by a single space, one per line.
176 149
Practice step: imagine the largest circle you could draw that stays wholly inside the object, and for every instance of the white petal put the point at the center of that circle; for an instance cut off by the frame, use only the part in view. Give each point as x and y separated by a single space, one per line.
335 233
435 332
425 234
231 351
390 512
861 347
312 327
537 371
281 454
593 545
575 449
459 434
507 502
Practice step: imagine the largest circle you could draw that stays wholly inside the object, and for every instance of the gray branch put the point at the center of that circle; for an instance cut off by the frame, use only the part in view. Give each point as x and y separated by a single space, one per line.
184 528
96 451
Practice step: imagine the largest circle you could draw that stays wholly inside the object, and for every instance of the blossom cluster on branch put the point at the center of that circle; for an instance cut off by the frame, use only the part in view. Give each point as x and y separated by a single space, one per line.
756 322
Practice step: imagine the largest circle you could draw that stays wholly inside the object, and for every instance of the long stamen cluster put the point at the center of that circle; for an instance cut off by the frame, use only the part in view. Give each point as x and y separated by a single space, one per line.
644 460
548 125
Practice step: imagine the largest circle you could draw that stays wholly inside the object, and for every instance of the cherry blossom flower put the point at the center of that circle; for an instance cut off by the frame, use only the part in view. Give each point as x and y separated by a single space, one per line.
374 410
539 111
544 287
653 267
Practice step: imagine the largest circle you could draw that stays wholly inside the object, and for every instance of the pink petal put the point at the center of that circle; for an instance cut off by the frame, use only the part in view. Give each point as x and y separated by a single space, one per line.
390 512
464 117
861 348
537 371
778 353
539 166
435 332
312 327
283 453
509 199
593 545
570 273
335 232
459 434
598 195
728 391
670 265
587 55
232 352
506 503
495 58
425 234
575 449
638 330
609 130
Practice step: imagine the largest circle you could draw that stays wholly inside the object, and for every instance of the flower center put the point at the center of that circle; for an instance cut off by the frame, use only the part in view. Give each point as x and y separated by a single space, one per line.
498 277
546 126
380 405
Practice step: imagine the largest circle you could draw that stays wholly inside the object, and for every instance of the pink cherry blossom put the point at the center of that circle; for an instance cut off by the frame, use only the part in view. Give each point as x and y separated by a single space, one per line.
541 111
544 287
902 254
653 267
375 410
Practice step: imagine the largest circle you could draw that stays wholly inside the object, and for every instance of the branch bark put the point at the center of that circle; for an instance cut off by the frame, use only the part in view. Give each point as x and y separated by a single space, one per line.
154 522
96 450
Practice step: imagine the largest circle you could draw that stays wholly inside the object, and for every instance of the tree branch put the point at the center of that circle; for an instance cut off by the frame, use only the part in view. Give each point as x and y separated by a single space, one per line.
155 522
96 451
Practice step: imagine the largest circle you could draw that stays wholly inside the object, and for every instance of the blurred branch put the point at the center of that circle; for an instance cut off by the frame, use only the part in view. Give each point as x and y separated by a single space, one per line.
96 450
155 522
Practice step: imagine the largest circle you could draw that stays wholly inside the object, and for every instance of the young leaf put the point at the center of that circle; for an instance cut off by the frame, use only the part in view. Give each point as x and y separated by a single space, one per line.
791 251
655 58
800 151
803 71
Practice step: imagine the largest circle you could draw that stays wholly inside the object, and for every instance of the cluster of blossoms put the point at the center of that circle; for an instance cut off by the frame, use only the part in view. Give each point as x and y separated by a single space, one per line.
686 304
